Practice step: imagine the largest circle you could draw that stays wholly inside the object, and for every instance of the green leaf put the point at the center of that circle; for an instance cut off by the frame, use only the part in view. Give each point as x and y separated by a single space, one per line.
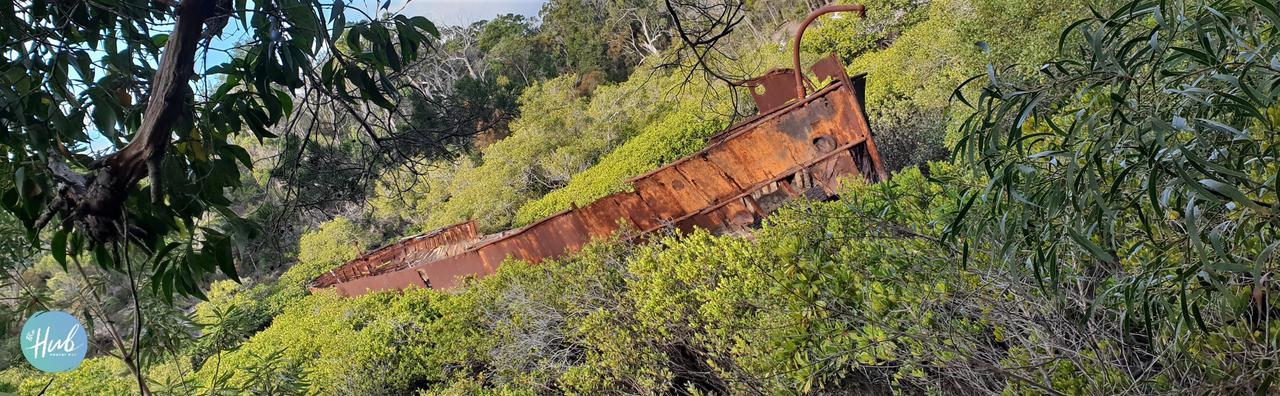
425 25
955 223
339 25
1062 38
1200 57
1097 251
157 278
257 123
186 281
1230 191
353 38
166 285
1223 128
241 7
240 154
286 101
58 247
20 180
10 199
202 261
1210 166
337 10
1270 10
1225 266
305 24
221 252
164 252
272 103
1260 262
368 88
103 258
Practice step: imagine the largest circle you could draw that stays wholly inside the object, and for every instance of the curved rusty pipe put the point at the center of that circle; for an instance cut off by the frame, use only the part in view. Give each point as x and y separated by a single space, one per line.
795 51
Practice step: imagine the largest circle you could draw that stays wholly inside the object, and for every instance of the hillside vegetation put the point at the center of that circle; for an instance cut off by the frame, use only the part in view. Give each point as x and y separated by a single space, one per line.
1084 201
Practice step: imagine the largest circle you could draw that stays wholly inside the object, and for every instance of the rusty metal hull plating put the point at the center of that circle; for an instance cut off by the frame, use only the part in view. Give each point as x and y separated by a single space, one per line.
793 148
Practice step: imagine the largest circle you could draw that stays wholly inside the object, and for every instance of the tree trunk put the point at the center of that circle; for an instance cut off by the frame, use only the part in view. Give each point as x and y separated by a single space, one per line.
95 202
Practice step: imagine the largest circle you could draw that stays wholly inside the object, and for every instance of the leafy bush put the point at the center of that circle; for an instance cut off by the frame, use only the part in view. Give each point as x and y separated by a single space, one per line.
939 46
233 312
231 315
562 133
333 243
676 135
819 298
850 37
858 295
100 375
1137 188
332 344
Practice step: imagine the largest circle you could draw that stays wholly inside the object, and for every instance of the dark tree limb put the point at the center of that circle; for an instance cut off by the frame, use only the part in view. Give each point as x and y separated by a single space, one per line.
95 202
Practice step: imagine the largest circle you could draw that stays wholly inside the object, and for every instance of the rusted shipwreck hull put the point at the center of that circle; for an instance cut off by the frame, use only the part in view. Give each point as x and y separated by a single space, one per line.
798 145
791 149
403 254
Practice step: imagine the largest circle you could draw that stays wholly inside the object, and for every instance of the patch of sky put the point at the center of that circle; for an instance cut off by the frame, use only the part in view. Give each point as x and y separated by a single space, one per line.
220 49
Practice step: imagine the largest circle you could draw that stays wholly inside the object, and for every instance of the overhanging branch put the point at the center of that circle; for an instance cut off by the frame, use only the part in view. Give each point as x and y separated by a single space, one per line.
94 202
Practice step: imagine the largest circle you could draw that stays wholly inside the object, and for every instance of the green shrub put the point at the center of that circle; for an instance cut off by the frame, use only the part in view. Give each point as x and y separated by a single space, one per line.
559 134
11 378
674 136
909 83
849 37
232 314
333 243
333 345
720 314
564 130
859 295
95 376
1140 178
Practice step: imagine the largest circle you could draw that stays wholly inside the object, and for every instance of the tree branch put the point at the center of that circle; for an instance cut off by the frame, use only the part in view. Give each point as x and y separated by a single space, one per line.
95 202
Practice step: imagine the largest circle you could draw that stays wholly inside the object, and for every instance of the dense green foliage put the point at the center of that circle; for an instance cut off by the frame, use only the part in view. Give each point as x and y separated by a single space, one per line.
1150 161
565 131
58 96
675 135
95 376
855 295
1107 224
910 82
333 243
98 97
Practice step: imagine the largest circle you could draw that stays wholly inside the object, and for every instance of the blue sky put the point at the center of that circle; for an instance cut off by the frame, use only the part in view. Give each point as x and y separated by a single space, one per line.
442 12
462 12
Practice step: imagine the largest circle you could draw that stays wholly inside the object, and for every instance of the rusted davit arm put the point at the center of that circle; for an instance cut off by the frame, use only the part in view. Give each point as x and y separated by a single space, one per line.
813 16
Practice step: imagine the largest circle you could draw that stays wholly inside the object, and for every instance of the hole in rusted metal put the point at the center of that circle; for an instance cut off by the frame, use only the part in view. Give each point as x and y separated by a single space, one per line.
426 280
824 144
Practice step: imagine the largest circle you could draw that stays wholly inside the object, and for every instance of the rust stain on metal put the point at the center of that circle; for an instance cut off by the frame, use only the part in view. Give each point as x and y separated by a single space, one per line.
400 255
798 146
772 90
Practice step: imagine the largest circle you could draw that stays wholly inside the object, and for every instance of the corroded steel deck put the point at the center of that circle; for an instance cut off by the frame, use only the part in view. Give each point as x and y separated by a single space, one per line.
793 148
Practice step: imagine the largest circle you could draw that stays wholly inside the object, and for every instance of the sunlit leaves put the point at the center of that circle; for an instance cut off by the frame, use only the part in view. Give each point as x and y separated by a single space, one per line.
1153 138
